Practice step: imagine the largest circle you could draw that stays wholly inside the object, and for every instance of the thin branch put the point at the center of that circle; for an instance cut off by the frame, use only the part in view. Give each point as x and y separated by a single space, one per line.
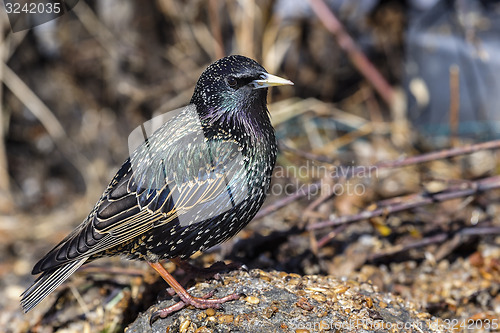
447 153
454 104
314 187
4 175
283 145
422 199
33 103
213 11
332 234
50 122
392 164
346 43
435 239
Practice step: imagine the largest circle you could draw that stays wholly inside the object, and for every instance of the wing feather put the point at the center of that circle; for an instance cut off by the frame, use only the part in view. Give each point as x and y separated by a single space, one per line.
159 184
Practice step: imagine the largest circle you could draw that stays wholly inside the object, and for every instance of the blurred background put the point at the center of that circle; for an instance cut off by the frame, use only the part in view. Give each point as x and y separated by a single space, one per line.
376 81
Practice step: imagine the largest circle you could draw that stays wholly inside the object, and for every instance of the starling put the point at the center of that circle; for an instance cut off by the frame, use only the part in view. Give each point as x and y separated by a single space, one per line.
196 181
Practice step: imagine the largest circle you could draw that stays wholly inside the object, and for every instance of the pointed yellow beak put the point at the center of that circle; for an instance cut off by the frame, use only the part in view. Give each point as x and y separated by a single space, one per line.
269 80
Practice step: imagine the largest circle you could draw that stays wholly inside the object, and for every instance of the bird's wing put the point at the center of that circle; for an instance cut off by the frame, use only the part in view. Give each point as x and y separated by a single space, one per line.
180 183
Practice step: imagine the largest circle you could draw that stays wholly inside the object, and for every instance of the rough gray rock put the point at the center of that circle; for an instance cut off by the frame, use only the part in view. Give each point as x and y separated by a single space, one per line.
281 302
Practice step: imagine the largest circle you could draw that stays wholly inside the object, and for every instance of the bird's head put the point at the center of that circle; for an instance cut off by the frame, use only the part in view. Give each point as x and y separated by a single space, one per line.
234 86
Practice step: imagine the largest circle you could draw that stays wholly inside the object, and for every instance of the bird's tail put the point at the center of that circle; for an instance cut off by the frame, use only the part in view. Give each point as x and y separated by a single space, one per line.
46 283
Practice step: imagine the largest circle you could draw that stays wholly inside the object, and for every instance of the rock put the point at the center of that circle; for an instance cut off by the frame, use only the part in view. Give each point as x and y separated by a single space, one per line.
282 302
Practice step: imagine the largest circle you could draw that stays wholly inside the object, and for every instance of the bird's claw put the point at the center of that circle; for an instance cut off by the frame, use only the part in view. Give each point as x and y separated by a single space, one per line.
198 302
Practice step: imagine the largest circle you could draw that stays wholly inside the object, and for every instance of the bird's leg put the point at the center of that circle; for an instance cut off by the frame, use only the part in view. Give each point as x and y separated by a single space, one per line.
186 298
212 272
193 272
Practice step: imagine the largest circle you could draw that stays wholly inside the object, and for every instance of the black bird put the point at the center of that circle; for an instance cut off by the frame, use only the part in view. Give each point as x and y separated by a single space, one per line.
193 183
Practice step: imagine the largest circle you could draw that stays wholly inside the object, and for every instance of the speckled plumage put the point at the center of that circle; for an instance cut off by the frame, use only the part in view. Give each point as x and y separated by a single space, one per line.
196 181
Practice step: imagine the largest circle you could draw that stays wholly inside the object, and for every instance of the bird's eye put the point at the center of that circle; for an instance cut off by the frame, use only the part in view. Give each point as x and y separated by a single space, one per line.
231 80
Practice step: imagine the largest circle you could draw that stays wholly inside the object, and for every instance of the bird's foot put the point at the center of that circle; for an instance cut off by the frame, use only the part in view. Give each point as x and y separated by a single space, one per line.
198 302
186 299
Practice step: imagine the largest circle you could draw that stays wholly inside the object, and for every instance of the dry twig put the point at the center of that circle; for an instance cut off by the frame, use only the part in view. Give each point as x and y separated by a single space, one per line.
346 43
392 164
421 199
435 239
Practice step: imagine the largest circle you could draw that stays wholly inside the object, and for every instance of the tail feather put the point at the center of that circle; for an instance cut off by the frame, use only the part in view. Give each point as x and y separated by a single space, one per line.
47 283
